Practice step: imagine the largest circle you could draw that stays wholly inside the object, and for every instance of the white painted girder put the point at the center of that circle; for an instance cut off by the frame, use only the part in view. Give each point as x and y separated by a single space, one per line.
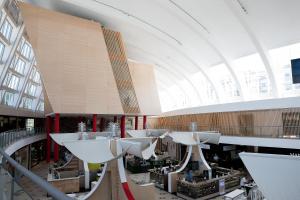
236 9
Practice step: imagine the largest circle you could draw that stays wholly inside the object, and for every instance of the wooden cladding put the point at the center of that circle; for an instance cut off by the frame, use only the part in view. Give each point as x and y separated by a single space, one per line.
73 61
261 123
291 123
145 87
121 71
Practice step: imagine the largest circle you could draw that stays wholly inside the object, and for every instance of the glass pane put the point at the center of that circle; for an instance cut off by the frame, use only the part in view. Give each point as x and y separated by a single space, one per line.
11 81
26 50
253 77
31 89
181 98
41 106
14 82
6 29
193 98
281 58
225 83
8 99
209 95
2 47
35 75
26 103
20 66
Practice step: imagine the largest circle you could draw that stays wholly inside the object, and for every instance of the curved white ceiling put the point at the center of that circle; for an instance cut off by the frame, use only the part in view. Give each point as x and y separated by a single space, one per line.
182 37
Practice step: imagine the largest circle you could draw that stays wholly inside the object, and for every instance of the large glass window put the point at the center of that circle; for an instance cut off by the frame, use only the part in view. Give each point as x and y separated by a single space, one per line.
30 89
193 98
174 97
35 75
6 29
12 81
203 85
166 101
40 106
20 66
26 103
8 98
253 77
225 83
26 50
281 58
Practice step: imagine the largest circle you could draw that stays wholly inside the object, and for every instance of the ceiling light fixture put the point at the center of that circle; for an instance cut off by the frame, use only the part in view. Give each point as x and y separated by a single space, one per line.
188 14
242 7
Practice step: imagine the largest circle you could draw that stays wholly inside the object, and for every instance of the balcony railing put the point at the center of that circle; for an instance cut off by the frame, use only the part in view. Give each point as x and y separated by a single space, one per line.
9 137
11 170
292 132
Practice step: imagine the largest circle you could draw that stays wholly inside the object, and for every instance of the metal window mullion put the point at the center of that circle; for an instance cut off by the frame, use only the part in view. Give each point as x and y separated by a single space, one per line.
11 54
26 78
3 17
38 100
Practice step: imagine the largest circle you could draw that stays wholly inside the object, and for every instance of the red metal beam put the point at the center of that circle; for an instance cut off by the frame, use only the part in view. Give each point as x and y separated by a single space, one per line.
144 121
48 130
136 123
123 126
94 122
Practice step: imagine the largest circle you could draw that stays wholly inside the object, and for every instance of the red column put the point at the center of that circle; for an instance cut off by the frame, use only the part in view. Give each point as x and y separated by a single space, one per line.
144 121
79 119
123 126
48 130
56 130
115 119
94 122
136 123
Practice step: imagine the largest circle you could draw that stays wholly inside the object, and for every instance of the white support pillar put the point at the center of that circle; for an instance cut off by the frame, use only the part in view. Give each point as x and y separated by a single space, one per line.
240 13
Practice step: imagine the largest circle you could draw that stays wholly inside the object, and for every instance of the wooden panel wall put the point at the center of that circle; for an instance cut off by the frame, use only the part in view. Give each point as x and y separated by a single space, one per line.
145 87
73 60
247 123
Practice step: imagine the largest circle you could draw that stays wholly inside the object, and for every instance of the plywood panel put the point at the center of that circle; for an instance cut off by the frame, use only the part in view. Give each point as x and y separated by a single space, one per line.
73 60
145 88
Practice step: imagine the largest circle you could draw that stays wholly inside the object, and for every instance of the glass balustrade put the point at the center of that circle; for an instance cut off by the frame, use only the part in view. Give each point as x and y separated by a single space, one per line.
9 137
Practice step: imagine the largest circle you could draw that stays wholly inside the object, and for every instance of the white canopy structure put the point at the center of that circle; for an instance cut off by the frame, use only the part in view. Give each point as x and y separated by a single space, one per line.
190 138
146 133
277 176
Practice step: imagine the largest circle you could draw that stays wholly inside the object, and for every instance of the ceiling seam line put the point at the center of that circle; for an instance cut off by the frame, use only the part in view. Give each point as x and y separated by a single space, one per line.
139 19
214 47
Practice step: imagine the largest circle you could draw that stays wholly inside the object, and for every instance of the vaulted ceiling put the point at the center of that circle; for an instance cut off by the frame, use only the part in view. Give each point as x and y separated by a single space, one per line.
194 44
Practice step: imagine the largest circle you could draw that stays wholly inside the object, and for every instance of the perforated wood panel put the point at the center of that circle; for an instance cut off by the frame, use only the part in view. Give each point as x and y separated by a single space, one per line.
121 71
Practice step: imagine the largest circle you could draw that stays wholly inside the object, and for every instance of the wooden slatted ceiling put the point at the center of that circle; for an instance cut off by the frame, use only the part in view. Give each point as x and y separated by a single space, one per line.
121 71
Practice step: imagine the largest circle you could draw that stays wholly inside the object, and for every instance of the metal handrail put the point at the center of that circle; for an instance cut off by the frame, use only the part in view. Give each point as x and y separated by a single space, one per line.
50 189
11 136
